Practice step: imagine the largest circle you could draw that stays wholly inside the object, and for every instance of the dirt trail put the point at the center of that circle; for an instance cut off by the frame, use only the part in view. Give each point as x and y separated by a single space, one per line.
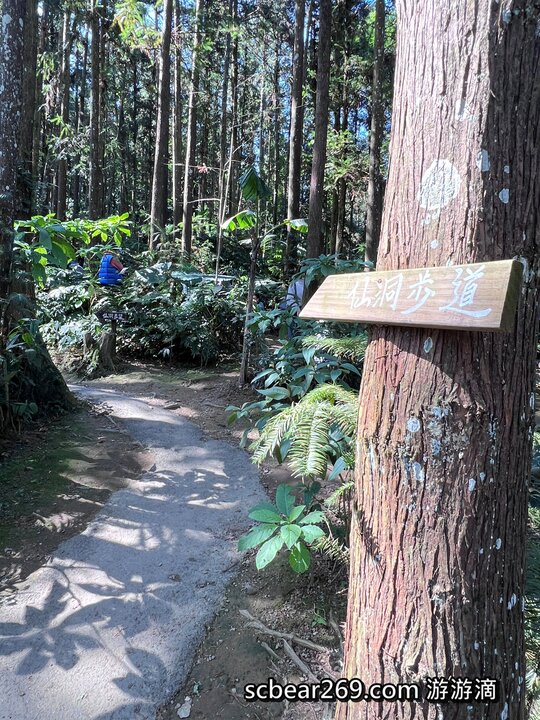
109 626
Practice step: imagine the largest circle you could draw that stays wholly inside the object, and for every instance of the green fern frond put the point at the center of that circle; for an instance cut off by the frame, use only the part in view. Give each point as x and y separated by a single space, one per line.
333 499
333 548
307 424
308 456
348 348
273 433
345 417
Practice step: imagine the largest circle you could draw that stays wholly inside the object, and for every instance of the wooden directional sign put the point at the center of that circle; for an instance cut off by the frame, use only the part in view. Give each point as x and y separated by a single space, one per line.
482 296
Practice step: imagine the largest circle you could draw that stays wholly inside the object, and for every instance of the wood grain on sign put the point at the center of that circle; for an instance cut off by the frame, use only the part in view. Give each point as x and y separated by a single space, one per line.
482 296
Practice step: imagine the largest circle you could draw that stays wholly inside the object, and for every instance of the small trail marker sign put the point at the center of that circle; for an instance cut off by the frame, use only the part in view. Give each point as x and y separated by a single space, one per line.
113 315
481 296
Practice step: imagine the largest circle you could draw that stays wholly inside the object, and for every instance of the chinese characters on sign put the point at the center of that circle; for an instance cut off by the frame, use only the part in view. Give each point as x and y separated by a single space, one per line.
482 296
386 291
109 315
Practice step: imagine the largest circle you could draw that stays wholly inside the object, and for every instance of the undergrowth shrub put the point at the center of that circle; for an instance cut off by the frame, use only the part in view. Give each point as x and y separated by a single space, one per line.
204 325
308 421
171 314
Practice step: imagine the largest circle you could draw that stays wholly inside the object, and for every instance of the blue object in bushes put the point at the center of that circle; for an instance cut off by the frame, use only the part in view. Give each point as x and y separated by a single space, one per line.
108 274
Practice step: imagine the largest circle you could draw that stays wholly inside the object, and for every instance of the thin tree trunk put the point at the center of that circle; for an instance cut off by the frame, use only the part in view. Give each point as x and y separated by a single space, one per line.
95 189
29 80
11 77
226 194
103 102
135 134
446 418
276 100
262 129
64 87
295 132
374 202
248 336
123 146
38 110
340 222
342 185
234 162
315 242
187 212
148 139
80 111
177 119
223 176
335 195
158 212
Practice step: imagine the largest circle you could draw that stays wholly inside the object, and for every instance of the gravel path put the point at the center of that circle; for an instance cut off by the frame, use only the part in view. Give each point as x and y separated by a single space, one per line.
108 628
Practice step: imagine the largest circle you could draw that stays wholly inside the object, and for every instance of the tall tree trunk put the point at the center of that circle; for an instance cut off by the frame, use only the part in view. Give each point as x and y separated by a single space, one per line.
29 80
446 418
38 149
191 139
375 189
223 130
316 191
222 181
103 101
340 224
11 76
158 213
335 195
262 129
177 119
38 109
95 189
134 133
234 154
80 110
295 131
248 335
342 59
64 87
276 101
123 148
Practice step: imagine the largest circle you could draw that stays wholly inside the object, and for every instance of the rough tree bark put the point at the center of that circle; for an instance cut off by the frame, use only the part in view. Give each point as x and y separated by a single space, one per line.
80 109
375 190
295 129
445 423
316 190
187 212
276 125
158 212
233 171
177 119
222 180
95 185
63 91
29 81
11 56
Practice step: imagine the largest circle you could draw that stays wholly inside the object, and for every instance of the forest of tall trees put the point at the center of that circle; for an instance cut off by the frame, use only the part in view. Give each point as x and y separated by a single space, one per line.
156 108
